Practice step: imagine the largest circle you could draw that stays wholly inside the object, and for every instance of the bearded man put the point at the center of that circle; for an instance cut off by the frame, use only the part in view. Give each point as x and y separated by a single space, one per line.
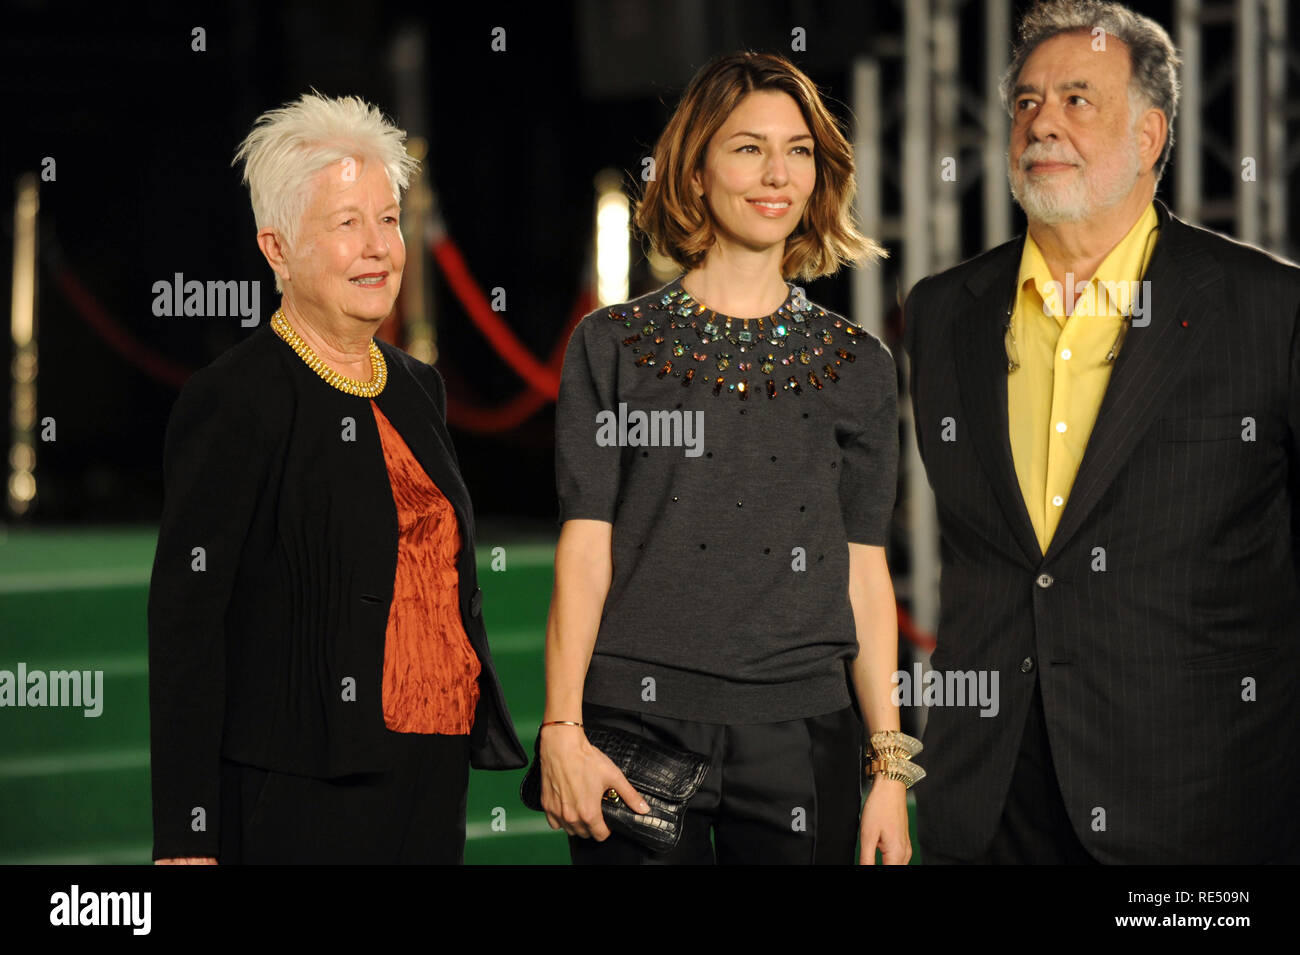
1107 409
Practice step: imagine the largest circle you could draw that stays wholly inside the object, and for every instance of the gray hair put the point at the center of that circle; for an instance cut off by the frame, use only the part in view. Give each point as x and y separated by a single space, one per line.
289 145
1152 54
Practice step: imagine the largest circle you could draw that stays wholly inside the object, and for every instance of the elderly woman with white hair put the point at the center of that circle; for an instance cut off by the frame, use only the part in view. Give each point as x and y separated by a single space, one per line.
320 680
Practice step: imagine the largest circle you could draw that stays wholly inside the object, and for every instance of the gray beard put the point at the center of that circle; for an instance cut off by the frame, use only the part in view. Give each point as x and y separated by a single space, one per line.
1045 205
1075 205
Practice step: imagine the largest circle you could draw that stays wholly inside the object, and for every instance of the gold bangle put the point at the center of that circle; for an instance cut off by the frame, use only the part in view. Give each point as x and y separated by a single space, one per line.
890 755
903 770
560 723
896 744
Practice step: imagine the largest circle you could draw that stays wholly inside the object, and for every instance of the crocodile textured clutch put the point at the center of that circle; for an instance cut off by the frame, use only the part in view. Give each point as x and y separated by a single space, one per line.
665 777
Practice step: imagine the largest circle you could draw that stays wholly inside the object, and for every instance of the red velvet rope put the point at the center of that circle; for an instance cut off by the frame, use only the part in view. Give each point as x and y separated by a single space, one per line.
540 378
543 380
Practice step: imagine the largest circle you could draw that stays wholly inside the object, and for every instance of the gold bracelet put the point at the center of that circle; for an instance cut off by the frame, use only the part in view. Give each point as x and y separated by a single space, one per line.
894 743
891 753
903 770
560 723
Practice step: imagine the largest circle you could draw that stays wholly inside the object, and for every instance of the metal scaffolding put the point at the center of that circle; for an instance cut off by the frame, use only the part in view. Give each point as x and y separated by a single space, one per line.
1235 54
939 118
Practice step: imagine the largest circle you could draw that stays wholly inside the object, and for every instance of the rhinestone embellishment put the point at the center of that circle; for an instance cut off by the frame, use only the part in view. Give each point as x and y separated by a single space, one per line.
778 345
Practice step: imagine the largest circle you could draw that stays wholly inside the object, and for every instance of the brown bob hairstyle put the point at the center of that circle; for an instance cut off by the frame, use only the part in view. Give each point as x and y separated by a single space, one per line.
678 222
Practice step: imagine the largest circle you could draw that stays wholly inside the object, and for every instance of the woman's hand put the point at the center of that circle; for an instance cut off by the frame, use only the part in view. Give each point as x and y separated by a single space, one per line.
884 824
575 775
188 860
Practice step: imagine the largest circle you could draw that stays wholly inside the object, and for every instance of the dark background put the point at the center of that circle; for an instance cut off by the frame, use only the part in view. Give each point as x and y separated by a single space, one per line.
143 130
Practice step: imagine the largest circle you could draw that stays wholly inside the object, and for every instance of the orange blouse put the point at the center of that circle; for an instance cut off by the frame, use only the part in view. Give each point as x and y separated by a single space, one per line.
430 670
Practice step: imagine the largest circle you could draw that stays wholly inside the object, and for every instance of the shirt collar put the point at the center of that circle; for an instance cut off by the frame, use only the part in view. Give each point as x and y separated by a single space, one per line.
1125 263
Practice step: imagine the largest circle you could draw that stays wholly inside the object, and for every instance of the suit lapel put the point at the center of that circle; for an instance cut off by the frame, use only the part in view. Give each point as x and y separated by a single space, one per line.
982 378
1187 286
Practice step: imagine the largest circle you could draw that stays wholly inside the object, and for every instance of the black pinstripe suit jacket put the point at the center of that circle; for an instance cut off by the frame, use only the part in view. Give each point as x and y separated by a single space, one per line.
1163 621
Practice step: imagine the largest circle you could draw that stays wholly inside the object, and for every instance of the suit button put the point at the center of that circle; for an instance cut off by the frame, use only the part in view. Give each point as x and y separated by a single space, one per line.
1027 665
1045 580
476 603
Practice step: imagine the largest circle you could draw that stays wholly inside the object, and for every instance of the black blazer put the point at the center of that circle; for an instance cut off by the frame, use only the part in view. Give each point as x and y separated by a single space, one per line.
1163 623
273 577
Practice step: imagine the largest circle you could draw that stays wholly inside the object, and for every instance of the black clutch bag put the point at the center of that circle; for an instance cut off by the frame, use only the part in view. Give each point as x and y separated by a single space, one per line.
664 776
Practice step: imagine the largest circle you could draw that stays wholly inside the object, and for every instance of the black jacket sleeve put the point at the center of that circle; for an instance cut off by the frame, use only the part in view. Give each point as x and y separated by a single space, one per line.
214 466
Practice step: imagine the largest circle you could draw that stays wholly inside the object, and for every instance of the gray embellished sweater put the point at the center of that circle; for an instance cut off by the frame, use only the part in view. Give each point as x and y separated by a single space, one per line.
736 460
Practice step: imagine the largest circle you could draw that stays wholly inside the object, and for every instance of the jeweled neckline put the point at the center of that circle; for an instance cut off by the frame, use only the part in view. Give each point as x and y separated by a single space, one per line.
793 294
713 325
788 345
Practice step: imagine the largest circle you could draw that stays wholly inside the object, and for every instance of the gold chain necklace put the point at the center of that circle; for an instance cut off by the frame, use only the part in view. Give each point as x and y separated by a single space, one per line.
351 386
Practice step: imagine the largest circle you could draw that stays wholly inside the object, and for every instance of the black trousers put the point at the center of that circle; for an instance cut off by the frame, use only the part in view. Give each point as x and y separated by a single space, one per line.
414 813
1035 828
786 793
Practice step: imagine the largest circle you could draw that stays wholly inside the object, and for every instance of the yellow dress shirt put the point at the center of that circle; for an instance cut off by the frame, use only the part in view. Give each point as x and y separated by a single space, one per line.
1054 396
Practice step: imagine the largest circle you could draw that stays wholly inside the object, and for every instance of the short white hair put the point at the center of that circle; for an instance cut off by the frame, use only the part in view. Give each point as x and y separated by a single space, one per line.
288 146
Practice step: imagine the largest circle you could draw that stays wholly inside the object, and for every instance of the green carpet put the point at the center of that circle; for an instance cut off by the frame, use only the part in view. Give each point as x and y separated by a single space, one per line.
76 790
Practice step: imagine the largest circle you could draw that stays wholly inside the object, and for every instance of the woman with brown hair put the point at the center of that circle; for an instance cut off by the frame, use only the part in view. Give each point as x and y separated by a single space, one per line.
720 581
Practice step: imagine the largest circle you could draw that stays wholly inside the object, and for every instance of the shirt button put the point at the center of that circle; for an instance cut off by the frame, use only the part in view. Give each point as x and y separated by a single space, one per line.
1058 500
1060 427
1027 665
1045 580
1066 354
